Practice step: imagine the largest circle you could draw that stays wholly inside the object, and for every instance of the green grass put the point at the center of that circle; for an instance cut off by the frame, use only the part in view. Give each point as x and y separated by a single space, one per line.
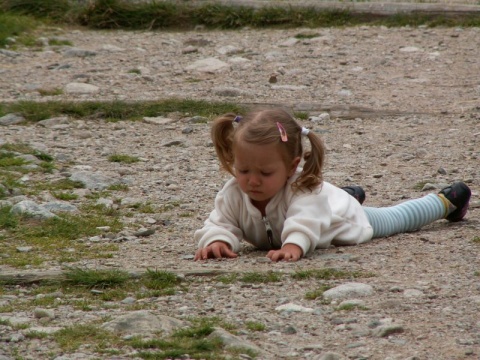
64 196
96 278
317 293
134 71
55 239
72 337
16 26
48 9
122 158
57 42
19 17
195 338
115 110
329 274
10 150
254 277
12 166
255 326
50 92
301 115
251 277
350 307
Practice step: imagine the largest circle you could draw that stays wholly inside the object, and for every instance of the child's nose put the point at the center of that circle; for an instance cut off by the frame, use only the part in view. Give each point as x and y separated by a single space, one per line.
254 180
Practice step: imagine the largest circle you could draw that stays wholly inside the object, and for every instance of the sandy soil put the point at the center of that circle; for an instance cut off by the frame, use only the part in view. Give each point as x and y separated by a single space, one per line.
404 110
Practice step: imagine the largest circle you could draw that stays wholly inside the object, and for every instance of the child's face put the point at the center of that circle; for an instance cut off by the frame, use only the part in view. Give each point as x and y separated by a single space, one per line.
261 171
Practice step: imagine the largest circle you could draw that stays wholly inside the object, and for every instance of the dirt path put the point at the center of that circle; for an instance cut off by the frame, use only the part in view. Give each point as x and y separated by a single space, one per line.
404 110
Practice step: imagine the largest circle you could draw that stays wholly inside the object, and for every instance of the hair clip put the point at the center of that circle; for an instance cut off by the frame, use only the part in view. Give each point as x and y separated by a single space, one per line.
237 119
305 131
283 133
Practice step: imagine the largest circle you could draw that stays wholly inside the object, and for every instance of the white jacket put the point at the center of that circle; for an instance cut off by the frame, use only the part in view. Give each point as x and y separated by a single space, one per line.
327 215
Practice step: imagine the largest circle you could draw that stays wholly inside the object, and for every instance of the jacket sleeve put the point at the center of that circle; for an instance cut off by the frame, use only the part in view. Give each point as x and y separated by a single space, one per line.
307 218
222 224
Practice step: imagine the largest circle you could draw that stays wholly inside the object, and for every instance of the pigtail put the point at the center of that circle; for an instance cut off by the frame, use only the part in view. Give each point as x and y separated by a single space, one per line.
222 137
311 175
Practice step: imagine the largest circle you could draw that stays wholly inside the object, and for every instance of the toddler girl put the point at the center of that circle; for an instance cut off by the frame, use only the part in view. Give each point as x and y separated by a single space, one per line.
276 205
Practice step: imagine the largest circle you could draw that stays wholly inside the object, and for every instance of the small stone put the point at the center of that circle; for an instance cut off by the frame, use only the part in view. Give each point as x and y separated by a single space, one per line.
144 232
384 331
442 171
129 300
24 249
43 313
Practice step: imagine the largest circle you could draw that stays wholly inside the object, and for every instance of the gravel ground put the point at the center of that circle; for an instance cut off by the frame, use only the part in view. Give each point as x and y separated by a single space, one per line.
404 110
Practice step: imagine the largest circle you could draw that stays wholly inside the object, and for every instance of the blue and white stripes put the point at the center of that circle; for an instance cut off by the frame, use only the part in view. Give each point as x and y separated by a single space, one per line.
407 216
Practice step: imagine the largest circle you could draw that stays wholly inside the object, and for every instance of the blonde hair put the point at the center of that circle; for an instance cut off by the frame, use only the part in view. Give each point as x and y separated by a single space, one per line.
260 127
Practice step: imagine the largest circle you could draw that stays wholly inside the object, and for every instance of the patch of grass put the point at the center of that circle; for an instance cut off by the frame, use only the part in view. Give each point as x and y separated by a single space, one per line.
328 274
50 92
185 215
255 326
134 71
7 219
307 35
115 110
476 240
96 278
159 280
32 334
9 157
65 196
317 293
15 26
123 14
228 279
258 277
301 115
118 187
122 158
9 181
59 185
46 9
252 277
178 346
196 340
350 307
72 337
58 42
9 160
55 239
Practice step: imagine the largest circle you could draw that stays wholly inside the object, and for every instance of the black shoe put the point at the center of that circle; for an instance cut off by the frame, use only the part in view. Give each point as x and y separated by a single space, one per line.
459 195
356 191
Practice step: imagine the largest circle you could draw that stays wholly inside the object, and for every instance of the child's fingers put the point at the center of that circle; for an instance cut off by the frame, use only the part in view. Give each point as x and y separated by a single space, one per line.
229 253
277 255
217 252
198 255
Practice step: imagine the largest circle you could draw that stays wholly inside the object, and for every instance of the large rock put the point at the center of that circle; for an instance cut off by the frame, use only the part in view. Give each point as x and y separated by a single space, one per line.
143 323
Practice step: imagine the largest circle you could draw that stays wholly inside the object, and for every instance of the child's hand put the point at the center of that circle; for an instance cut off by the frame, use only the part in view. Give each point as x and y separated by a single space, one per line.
217 249
289 252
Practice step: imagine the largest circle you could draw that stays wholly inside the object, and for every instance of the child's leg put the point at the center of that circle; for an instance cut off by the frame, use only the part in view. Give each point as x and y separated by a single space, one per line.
407 216
451 203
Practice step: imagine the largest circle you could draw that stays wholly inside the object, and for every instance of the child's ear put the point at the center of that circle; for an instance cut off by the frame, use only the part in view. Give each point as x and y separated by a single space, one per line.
295 163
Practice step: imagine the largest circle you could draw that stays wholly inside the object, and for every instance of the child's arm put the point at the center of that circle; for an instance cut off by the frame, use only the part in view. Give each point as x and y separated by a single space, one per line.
216 249
289 252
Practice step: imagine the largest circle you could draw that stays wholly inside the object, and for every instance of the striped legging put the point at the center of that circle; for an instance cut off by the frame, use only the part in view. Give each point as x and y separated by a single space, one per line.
407 216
